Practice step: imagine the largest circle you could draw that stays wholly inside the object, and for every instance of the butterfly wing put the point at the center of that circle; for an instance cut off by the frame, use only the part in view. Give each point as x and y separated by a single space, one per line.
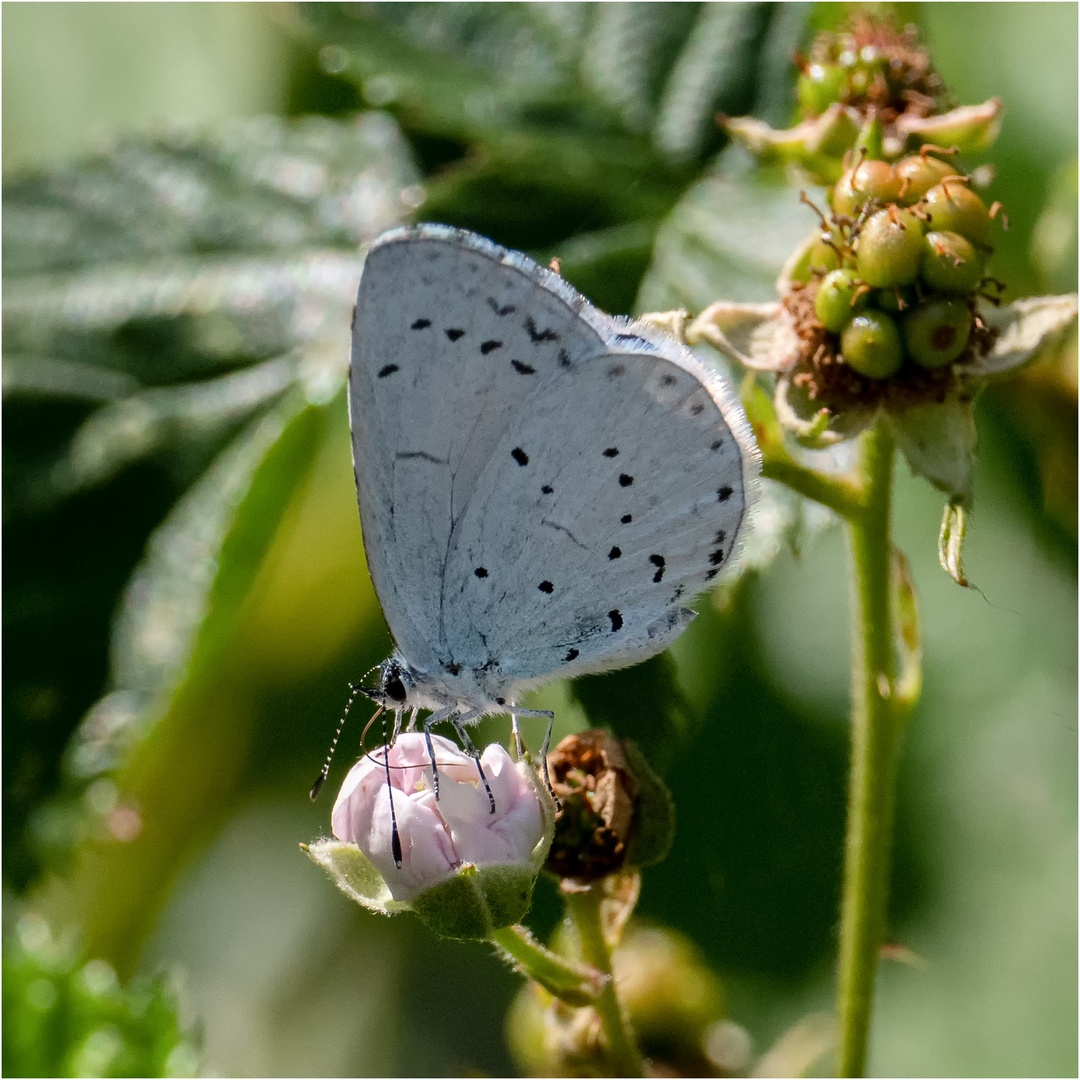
451 336
608 502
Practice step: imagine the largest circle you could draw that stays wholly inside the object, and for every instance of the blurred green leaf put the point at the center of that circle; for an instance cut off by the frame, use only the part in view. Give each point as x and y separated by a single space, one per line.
728 238
64 1015
554 119
178 304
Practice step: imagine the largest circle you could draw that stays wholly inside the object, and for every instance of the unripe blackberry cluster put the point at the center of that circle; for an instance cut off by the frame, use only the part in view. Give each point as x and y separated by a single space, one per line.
894 274
870 66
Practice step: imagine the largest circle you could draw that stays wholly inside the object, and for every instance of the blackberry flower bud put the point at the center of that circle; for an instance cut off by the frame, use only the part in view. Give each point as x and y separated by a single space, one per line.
465 871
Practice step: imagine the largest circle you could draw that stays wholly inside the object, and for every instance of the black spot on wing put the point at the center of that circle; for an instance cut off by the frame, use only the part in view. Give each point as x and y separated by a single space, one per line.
668 380
546 587
420 324
454 669
631 339
454 333
573 654
564 358
537 336
625 479
659 562
725 493
388 370
489 346
519 456
615 553
481 572
616 619
716 445
721 536
717 557
611 451
547 489
712 573
626 518
616 370
522 369
509 309
697 409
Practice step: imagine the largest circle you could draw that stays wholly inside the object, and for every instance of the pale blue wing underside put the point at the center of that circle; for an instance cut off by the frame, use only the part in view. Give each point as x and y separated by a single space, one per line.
542 487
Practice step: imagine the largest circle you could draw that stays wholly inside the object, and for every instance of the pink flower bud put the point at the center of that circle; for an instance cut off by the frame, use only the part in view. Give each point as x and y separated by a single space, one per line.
438 836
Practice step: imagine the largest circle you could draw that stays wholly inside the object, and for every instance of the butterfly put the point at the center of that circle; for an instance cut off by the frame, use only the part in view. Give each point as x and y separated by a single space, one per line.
542 487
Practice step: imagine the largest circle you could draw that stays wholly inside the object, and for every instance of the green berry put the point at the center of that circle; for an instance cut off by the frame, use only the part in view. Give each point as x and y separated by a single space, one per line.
819 86
918 174
823 256
870 180
890 247
871 345
952 207
838 298
950 263
936 333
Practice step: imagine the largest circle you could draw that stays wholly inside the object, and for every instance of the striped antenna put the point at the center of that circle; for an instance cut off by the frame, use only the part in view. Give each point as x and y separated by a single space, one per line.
354 690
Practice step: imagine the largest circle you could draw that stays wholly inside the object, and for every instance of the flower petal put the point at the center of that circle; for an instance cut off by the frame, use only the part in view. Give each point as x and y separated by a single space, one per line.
1027 329
758 336
813 424
938 441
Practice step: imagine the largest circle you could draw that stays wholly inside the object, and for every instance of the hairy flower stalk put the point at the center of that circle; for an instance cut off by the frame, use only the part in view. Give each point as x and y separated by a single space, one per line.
886 328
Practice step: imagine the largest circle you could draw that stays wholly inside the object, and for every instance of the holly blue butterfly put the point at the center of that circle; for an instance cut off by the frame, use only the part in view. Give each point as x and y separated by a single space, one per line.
542 487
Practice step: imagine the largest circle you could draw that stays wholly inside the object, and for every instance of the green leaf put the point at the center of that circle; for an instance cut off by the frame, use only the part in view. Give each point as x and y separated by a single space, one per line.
179 305
67 1015
727 239
726 242
200 563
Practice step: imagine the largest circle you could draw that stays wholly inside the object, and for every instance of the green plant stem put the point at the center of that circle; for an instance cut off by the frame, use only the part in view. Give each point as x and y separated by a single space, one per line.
839 495
573 983
872 779
624 1056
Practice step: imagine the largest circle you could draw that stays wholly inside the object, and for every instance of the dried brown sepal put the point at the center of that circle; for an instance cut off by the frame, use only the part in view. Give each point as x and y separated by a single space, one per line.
597 791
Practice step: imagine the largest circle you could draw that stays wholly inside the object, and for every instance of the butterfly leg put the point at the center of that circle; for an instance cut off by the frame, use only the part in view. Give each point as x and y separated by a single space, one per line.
459 723
543 749
434 718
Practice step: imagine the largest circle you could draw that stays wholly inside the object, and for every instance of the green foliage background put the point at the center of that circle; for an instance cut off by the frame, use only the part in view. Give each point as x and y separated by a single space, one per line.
185 593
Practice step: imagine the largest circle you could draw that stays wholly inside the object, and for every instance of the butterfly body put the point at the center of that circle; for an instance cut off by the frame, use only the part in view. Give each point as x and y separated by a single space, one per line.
542 487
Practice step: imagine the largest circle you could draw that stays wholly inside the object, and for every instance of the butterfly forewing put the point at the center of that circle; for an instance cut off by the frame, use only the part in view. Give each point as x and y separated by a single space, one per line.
452 336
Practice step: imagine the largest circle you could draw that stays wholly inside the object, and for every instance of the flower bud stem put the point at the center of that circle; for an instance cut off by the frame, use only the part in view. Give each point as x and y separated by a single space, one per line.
872 780
572 983
624 1057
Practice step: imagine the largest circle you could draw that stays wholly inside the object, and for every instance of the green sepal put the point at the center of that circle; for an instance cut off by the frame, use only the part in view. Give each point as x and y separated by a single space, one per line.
870 140
476 901
938 440
970 128
355 875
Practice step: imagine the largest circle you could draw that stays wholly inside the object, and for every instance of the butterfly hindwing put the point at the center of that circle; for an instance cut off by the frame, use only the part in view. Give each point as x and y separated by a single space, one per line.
630 502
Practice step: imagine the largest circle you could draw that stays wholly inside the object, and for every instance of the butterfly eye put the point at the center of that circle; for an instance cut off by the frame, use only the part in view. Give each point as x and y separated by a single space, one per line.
395 688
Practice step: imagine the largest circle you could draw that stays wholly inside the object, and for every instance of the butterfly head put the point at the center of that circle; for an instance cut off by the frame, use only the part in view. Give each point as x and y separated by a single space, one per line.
391 689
